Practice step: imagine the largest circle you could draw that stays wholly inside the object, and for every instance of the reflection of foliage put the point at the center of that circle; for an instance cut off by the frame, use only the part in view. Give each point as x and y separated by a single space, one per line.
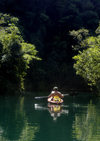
13 122
28 133
87 125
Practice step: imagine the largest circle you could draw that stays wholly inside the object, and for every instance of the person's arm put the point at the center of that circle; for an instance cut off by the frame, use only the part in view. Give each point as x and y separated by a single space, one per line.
61 95
50 94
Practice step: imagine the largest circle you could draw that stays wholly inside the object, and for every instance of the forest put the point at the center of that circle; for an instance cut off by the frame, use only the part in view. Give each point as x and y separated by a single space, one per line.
46 43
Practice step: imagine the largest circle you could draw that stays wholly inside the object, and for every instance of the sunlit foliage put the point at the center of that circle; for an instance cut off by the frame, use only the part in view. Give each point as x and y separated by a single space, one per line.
46 24
15 55
88 60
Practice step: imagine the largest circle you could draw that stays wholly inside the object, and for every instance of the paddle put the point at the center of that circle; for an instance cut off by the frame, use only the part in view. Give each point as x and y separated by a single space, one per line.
40 97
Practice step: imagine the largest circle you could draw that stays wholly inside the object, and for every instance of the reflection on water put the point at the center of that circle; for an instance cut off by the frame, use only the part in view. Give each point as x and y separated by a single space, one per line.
55 110
26 119
13 121
87 122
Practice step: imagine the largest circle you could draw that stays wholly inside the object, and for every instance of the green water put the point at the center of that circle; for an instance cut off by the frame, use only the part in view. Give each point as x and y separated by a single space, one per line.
22 118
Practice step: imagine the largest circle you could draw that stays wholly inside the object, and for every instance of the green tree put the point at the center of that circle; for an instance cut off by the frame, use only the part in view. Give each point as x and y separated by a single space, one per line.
88 60
15 55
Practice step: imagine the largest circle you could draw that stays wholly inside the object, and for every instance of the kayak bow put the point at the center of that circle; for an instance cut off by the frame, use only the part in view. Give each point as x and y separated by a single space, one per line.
54 102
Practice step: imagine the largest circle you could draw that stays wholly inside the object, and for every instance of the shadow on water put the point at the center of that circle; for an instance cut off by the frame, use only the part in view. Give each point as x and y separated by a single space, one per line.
24 118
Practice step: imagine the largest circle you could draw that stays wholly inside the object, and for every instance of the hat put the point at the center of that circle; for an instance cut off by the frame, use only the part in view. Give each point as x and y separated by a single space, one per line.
55 88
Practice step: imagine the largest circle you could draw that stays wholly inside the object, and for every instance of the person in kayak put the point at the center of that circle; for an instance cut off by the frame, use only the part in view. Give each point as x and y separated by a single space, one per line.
55 95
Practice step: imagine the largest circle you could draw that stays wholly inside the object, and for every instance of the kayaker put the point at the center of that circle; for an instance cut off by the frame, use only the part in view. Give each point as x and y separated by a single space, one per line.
55 95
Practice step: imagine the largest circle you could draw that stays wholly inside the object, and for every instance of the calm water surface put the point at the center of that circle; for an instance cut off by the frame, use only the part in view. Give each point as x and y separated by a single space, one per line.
22 118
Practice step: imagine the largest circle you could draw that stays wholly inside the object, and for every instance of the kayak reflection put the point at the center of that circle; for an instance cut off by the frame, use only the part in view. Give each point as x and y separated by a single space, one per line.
55 110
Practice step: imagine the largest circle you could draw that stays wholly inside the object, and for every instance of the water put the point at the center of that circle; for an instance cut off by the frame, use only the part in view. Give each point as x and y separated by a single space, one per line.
22 118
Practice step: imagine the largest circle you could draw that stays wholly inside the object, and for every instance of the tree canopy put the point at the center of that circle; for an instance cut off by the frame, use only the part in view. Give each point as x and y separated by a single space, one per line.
46 24
15 55
88 60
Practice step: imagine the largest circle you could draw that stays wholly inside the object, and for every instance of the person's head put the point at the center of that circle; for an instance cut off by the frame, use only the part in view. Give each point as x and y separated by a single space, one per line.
55 88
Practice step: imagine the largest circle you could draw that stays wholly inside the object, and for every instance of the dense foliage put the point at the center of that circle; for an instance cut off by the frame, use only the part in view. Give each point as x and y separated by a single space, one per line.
15 55
46 24
88 61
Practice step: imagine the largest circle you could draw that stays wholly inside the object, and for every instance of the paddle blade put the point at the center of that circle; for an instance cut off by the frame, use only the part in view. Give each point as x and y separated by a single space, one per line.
41 97
65 94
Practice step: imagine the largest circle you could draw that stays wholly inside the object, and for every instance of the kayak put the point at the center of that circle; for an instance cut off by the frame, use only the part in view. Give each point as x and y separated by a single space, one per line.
54 102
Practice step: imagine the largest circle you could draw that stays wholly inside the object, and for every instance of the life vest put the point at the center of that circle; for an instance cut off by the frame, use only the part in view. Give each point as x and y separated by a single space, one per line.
56 98
56 108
